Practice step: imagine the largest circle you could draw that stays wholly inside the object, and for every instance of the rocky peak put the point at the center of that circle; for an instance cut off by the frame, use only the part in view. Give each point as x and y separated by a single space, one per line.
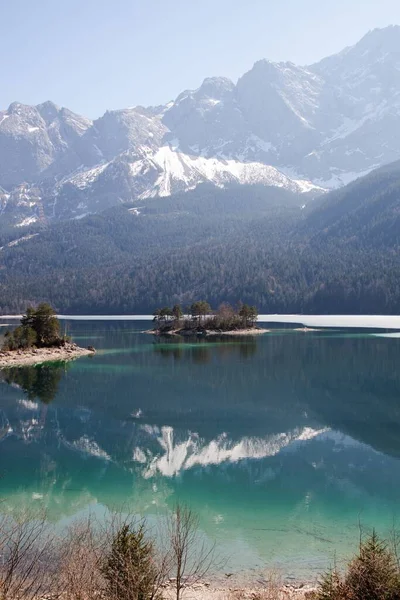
121 130
48 111
19 114
377 49
215 87
380 42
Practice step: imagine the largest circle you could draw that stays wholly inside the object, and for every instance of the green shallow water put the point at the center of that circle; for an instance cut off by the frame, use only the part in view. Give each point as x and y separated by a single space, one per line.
282 443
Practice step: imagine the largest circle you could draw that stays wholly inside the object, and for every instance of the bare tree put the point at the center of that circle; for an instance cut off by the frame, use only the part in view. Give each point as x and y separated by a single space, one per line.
27 547
190 558
80 561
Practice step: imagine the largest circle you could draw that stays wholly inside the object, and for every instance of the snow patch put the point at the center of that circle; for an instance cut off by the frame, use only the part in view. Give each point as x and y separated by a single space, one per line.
341 179
179 171
212 101
27 221
84 177
25 238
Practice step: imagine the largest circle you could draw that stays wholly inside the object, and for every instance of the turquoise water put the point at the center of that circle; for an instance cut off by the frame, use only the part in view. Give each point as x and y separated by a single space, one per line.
282 443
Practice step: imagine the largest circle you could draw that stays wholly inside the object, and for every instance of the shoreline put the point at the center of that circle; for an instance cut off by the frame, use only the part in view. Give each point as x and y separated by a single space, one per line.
239 332
207 333
324 321
268 589
37 356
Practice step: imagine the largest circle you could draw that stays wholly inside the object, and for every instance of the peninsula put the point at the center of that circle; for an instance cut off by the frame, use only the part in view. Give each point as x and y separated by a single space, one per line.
201 320
37 340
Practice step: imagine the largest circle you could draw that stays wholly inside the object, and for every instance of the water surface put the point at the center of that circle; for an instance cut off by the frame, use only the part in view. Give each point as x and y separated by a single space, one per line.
282 443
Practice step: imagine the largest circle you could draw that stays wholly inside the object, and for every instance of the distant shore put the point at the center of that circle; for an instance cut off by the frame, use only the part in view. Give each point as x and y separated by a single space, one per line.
31 357
313 321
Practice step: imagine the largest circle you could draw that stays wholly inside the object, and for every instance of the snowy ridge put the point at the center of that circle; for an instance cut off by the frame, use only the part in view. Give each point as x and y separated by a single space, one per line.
178 168
148 174
283 125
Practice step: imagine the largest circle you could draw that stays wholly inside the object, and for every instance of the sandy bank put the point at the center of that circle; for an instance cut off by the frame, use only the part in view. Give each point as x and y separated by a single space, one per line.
20 358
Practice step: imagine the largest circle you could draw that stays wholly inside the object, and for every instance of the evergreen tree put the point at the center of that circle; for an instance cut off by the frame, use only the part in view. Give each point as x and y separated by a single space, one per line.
331 587
200 309
165 313
374 573
43 321
177 312
130 569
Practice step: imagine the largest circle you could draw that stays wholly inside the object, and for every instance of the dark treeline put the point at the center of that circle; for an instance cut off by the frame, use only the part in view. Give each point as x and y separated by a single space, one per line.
249 244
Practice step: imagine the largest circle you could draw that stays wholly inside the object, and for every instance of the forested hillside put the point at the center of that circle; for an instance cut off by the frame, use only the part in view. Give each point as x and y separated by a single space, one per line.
270 247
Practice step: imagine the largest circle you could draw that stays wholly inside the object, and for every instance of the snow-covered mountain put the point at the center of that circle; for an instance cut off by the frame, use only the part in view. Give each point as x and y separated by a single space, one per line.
163 172
37 141
329 122
280 124
143 174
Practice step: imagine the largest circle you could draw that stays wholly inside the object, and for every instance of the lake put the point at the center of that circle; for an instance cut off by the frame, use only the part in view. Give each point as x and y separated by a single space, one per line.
284 444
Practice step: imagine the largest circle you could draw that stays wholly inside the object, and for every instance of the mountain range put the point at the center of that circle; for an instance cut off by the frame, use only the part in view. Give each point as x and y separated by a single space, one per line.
222 194
301 128
259 244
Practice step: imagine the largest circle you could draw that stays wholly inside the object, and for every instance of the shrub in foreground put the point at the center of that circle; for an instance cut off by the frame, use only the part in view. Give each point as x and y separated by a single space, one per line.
372 575
130 568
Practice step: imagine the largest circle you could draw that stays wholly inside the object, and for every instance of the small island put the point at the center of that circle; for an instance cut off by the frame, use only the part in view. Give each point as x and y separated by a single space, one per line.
201 320
37 340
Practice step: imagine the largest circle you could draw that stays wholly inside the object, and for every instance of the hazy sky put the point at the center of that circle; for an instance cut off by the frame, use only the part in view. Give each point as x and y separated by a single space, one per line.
90 55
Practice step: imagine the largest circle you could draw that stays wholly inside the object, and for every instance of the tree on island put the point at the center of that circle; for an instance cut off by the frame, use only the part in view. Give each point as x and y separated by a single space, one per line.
43 320
39 327
177 312
162 315
200 309
248 314
203 318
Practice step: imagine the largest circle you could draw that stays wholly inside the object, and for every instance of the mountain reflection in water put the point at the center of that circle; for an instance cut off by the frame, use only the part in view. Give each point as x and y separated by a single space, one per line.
291 434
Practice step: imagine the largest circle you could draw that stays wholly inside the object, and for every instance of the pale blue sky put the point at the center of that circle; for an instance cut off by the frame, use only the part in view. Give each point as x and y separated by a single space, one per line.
90 55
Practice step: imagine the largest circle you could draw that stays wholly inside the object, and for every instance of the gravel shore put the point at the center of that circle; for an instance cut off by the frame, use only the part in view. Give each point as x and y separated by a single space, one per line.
204 591
20 358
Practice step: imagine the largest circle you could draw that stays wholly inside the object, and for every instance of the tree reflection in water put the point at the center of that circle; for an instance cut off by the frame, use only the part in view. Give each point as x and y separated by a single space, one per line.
39 382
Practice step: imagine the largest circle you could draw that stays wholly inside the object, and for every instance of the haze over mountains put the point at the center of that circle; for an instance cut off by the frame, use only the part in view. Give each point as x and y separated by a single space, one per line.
216 195
281 125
